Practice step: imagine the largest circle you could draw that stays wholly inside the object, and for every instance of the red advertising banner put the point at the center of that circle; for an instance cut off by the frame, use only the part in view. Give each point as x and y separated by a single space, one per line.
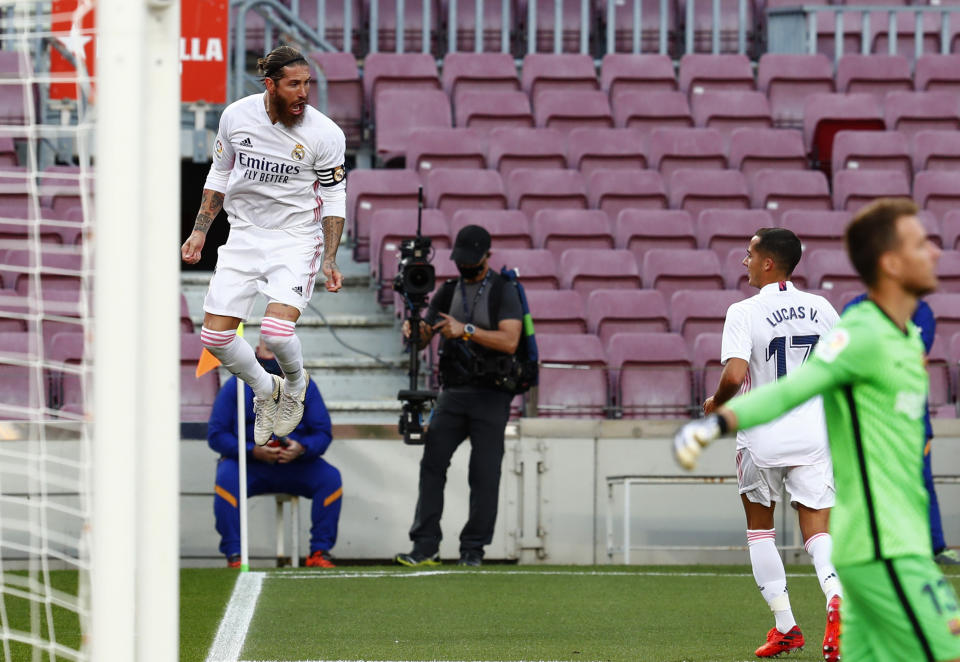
203 48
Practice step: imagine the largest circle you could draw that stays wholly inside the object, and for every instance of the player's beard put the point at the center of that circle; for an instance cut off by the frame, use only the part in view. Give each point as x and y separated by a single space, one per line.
282 109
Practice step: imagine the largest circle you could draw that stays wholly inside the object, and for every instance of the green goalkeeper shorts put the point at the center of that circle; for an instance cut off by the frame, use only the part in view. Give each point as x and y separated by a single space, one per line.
896 610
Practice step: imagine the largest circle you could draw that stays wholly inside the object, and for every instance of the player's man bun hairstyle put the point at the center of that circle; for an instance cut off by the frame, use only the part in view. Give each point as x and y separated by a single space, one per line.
782 246
272 65
873 232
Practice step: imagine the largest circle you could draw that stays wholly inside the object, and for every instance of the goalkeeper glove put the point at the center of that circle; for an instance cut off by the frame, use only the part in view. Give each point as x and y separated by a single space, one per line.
694 436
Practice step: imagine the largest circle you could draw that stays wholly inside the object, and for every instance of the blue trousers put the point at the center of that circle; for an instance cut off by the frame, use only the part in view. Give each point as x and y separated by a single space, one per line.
936 526
314 479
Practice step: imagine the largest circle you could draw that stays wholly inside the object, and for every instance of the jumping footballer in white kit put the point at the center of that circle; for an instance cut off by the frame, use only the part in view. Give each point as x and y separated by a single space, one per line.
278 172
764 338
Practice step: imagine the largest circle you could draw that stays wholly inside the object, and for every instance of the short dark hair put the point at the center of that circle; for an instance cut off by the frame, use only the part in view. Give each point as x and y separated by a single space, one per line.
272 65
781 245
873 232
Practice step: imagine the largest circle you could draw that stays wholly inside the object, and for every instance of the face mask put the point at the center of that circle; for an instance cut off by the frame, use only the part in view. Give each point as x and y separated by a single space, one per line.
271 366
470 272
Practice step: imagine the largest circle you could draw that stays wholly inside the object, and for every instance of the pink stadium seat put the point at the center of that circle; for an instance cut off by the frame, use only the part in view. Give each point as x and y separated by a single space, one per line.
937 73
565 111
370 190
696 190
564 72
404 71
646 111
669 270
640 230
616 190
196 394
388 228
531 190
703 23
573 380
937 191
948 272
946 310
621 72
941 397
508 228
59 270
852 189
402 111
721 230
700 72
588 269
649 33
186 324
950 226
616 311
344 91
910 112
512 149
537 268
931 224
672 149
905 30
559 229
412 25
652 375
60 310
779 191
557 311
8 153
451 189
478 72
752 150
570 19
13 109
21 386
333 20
693 312
485 111
589 150
873 74
466 21
788 80
872 150
66 390
936 150
831 270
429 149
826 114
817 229
727 110
706 364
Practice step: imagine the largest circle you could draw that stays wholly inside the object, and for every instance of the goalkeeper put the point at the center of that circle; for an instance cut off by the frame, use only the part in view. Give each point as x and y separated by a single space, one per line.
870 372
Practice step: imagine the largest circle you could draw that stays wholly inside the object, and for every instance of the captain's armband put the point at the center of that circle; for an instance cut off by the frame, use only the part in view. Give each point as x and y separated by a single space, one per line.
332 176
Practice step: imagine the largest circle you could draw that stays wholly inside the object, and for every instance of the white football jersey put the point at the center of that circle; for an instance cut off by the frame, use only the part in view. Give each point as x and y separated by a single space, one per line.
775 331
274 177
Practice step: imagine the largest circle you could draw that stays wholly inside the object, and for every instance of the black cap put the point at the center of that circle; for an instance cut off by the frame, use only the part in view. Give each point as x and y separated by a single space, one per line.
471 245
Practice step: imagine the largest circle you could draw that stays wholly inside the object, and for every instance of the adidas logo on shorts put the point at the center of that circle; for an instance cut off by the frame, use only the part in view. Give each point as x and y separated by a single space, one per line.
246 143
298 289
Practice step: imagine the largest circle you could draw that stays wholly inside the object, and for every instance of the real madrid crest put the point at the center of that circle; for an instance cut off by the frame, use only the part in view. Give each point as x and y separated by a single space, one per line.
338 174
298 152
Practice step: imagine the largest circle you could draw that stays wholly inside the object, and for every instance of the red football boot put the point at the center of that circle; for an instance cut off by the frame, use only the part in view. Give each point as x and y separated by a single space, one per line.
320 559
831 637
779 643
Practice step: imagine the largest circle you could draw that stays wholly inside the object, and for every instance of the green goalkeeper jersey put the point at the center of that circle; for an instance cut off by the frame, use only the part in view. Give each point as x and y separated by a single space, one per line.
874 386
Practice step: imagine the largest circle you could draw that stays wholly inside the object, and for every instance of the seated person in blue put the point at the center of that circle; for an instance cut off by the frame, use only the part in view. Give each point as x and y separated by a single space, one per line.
292 465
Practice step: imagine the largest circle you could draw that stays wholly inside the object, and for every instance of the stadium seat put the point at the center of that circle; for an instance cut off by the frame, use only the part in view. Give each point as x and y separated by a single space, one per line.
639 230
931 224
66 391
731 109
817 229
586 269
8 153
779 191
669 270
941 397
333 20
826 114
531 190
344 90
559 229
486 111
937 191
186 324
706 364
563 72
429 149
568 110
21 386
452 189
537 268
872 150
950 230
388 227
911 112
478 72
197 394
936 150
573 379
589 150
570 19
721 230
57 270
557 311
946 311
788 80
700 72
12 105
622 72
672 149
508 228
411 26
948 272
645 111
693 312
512 149
652 375
615 311
616 190
401 111
873 74
905 29
371 190
852 189
937 73
404 71
831 270
696 190
752 150
466 22
649 26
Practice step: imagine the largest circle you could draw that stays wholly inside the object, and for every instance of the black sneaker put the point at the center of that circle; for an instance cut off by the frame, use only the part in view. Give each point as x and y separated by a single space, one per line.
472 559
414 559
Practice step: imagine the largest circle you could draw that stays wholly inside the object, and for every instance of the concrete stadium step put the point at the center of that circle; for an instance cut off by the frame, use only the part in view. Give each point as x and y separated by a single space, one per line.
341 378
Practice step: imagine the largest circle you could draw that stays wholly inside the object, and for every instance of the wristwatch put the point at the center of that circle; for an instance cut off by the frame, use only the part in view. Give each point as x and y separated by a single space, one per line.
468 331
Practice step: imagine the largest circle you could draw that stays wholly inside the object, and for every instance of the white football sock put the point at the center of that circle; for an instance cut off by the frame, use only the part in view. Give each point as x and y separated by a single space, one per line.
819 546
237 356
281 340
771 576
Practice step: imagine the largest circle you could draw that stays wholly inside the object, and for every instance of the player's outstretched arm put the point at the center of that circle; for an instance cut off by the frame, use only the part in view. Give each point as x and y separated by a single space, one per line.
210 205
692 438
332 231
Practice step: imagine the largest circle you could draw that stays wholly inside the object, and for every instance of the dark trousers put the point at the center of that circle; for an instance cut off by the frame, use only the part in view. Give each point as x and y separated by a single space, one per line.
482 415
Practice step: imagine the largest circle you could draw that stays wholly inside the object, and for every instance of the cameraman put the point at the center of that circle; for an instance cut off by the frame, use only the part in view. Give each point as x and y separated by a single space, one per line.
479 317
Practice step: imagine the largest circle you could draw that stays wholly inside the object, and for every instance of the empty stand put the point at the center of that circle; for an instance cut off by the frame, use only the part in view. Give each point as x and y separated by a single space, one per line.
937 73
508 228
21 386
8 153
727 110
826 114
648 37
872 150
621 72
371 190
950 229
344 91
697 190
652 374
832 271
788 80
616 190
537 268
699 73
404 71
817 229
531 190
559 229
573 380
512 149
721 230
334 22
570 18
66 390
616 311
478 72
641 230
589 150
563 72
485 111
401 111
937 191
412 26
948 272
557 311
706 364
752 150
646 111
941 397
873 74
946 311
910 112
186 324
936 150
452 189
669 270
466 23
429 149
55 271
852 189
586 269
389 226
779 191
693 312
672 149
565 111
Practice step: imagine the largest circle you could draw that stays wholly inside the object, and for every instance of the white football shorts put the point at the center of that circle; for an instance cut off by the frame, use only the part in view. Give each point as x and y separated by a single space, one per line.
282 265
810 485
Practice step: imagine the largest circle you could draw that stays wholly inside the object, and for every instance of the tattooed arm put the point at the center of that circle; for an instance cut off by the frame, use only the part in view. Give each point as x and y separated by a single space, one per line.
332 230
210 206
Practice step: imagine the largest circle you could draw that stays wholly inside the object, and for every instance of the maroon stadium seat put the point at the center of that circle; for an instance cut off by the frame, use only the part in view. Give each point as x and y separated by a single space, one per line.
412 26
568 110
779 191
21 386
508 228
852 189
941 397
910 112
721 230
788 80
452 189
570 19
333 20
511 149
872 150
639 230
485 111
652 375
466 21
873 74
696 190
727 110
573 379
673 149
404 71
950 229
937 73
646 111
66 389
531 190
429 149
186 324
706 364
537 268
752 150
588 269
478 72
621 72
344 91
937 191
557 311
936 150
8 153
826 114
589 150
669 270
831 270
370 190
817 229
60 270
616 190
615 311
401 111
564 72
559 229
946 310
700 72
649 35
948 272
693 312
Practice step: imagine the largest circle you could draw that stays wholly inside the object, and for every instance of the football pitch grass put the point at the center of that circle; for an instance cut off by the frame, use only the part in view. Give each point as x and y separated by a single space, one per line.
494 613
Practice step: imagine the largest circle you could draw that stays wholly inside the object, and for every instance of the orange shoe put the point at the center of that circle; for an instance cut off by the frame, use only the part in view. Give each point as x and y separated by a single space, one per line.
233 561
831 638
779 643
320 559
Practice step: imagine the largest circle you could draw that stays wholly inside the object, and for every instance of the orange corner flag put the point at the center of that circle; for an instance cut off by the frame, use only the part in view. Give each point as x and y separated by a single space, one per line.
206 363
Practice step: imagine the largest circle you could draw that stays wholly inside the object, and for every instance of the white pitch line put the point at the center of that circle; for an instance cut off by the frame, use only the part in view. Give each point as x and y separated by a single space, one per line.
232 632
407 574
